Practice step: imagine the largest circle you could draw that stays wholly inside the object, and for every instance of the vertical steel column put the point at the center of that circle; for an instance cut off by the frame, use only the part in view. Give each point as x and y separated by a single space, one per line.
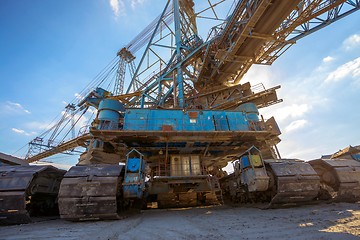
120 76
148 46
179 77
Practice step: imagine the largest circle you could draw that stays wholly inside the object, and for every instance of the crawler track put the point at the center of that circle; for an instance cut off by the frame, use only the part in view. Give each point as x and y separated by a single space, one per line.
91 193
27 191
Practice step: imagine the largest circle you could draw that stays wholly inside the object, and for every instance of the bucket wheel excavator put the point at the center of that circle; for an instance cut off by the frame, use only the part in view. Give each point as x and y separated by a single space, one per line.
184 116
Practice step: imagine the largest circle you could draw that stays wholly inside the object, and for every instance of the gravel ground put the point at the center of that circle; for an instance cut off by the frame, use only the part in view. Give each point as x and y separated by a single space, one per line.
323 221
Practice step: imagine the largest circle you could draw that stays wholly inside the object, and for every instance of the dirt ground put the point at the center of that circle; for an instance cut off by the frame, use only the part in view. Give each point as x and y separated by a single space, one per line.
324 221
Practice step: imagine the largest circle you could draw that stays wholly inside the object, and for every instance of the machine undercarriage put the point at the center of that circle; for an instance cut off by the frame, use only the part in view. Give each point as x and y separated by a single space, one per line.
184 117
282 182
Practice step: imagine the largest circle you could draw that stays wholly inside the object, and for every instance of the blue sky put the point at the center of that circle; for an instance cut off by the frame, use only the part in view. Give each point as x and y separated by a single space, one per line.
51 49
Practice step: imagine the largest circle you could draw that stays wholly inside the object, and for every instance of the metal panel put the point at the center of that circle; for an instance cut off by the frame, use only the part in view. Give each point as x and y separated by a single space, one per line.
20 177
15 181
296 182
92 208
175 165
237 121
255 179
185 165
136 119
12 202
178 120
206 121
221 122
292 168
195 165
84 187
94 170
342 163
90 193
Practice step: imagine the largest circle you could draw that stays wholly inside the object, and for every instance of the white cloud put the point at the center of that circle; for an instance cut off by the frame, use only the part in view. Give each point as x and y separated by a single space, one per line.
349 69
260 74
352 42
114 4
135 3
296 125
328 59
22 132
291 111
119 6
12 107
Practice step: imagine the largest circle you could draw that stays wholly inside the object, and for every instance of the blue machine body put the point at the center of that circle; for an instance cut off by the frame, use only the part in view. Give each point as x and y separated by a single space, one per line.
112 115
179 120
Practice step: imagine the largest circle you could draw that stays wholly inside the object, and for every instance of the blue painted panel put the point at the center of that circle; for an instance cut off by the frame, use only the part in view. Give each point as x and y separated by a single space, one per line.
178 120
248 108
251 111
245 161
133 164
237 121
136 119
159 118
207 121
109 116
111 104
109 110
221 122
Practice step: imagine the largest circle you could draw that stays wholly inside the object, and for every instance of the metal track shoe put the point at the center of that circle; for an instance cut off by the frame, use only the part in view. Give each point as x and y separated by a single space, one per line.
27 191
292 181
340 179
91 193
